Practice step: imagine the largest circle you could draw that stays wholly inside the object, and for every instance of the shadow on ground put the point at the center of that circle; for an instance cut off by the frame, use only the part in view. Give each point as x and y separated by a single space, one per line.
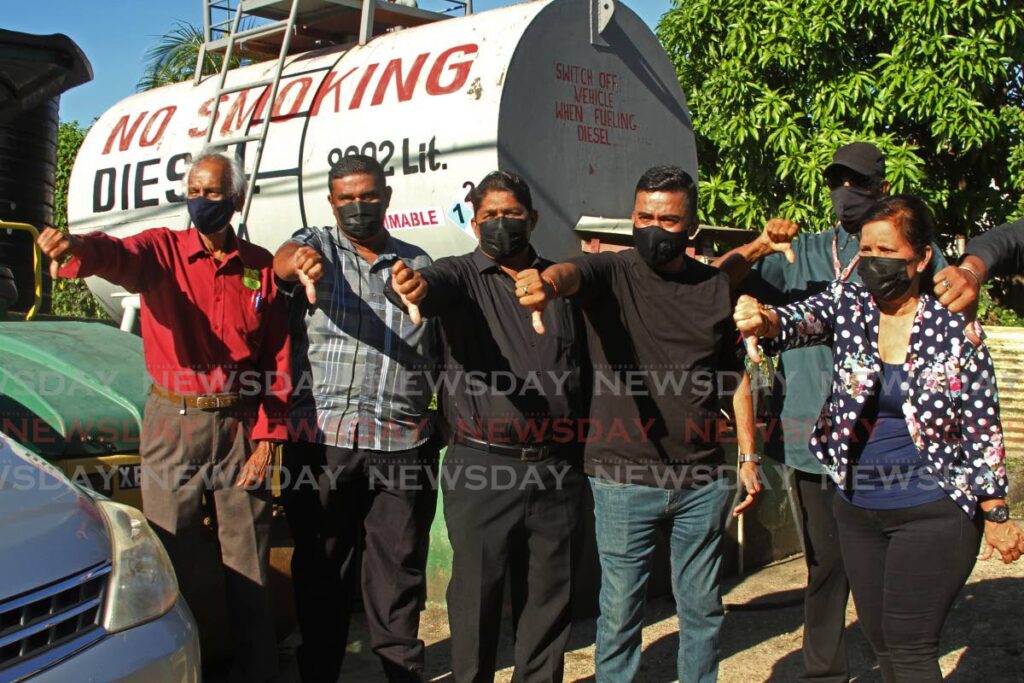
983 640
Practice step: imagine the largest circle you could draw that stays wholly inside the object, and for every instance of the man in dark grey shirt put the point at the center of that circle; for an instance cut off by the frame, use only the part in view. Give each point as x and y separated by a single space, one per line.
362 455
995 253
511 398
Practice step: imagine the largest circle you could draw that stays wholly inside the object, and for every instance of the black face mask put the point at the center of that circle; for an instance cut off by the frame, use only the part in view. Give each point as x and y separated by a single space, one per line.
886 278
657 246
852 205
210 215
504 237
360 220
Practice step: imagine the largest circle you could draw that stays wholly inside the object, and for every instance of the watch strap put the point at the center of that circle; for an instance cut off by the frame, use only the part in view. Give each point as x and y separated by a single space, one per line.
998 514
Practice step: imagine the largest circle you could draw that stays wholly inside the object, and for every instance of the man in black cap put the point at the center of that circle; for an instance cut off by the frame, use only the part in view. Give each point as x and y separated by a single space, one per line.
856 180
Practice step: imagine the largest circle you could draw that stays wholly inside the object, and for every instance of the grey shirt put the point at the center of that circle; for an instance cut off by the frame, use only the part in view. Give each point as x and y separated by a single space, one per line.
364 375
1001 249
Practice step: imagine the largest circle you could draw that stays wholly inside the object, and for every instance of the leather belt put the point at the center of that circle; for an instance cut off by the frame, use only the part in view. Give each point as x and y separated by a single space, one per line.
524 452
201 401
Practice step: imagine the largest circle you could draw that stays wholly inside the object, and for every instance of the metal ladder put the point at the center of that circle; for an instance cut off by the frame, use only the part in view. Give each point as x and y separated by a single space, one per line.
230 40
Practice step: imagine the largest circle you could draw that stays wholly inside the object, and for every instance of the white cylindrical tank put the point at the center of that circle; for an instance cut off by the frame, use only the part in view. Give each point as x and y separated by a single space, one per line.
520 88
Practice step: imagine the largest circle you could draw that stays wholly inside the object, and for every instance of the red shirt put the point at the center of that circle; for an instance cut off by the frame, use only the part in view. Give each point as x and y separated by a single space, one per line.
207 327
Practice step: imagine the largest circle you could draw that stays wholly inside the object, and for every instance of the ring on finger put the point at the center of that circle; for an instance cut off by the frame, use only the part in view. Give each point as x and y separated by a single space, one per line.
524 289
946 284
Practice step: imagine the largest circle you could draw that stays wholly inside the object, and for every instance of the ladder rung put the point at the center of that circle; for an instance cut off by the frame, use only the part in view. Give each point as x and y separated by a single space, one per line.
392 8
227 142
227 90
248 34
249 5
272 27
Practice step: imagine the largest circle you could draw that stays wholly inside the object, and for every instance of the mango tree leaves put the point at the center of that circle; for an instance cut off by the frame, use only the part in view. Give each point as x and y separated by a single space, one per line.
776 86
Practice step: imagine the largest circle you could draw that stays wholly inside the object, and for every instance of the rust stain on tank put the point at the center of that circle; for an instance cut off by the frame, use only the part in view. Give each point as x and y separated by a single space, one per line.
476 88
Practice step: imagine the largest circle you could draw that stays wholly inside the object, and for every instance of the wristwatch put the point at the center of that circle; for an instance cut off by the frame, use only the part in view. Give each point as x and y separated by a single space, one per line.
998 514
750 457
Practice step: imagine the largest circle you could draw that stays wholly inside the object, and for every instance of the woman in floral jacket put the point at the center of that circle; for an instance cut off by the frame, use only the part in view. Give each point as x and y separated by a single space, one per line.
910 435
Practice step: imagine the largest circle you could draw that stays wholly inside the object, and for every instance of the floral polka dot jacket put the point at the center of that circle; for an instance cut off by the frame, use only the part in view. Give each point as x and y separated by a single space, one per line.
952 408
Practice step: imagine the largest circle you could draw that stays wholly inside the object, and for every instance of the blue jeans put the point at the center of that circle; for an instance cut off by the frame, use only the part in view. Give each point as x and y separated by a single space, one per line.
627 517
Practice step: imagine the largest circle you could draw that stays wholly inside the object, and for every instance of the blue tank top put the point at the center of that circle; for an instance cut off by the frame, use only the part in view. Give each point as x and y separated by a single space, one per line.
889 472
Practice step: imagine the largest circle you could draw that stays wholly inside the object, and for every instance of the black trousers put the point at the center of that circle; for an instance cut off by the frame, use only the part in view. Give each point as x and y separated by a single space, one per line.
514 519
828 591
906 568
340 501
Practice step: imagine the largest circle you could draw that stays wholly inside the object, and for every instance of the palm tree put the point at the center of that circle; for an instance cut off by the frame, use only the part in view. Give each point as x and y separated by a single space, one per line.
173 58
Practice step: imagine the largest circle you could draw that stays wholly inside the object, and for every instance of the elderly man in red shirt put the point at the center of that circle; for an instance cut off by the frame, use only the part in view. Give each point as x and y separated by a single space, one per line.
215 337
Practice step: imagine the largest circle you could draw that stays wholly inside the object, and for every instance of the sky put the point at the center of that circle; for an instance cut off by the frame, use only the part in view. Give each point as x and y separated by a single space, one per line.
115 34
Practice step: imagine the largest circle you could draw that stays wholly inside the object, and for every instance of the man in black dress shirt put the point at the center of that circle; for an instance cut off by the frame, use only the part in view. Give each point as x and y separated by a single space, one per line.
664 349
511 398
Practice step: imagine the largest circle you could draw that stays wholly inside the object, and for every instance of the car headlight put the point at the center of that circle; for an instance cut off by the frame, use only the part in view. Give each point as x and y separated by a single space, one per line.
142 584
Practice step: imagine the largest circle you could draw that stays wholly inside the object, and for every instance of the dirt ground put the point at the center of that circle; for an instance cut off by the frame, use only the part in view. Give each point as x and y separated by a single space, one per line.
983 640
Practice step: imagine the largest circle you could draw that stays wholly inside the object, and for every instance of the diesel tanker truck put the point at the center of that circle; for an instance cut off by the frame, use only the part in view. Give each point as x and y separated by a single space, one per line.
537 88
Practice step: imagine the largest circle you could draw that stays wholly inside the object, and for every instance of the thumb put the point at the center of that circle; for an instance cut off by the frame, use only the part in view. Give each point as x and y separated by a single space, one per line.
538 322
413 310
789 253
54 269
750 341
310 287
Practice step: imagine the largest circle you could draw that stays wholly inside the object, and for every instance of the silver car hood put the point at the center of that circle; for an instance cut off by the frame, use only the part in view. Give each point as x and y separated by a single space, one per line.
49 528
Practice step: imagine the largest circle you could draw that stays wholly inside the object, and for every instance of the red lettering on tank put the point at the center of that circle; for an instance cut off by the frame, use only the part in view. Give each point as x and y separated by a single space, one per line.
164 115
593 135
304 84
461 70
328 85
403 87
237 117
357 96
205 111
127 134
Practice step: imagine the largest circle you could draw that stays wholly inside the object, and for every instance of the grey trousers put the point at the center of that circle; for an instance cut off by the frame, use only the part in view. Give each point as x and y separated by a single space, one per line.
187 456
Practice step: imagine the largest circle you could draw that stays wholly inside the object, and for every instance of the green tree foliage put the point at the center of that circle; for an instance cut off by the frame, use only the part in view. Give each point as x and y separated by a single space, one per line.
173 58
70 297
775 86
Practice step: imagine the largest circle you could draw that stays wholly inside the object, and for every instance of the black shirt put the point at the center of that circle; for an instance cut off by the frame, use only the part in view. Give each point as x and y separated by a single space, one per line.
658 345
502 382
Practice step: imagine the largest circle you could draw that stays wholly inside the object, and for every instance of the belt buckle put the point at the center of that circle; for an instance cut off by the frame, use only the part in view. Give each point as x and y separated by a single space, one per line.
532 453
209 402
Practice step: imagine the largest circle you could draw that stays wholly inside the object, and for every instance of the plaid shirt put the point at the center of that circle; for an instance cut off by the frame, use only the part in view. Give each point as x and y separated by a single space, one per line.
364 374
